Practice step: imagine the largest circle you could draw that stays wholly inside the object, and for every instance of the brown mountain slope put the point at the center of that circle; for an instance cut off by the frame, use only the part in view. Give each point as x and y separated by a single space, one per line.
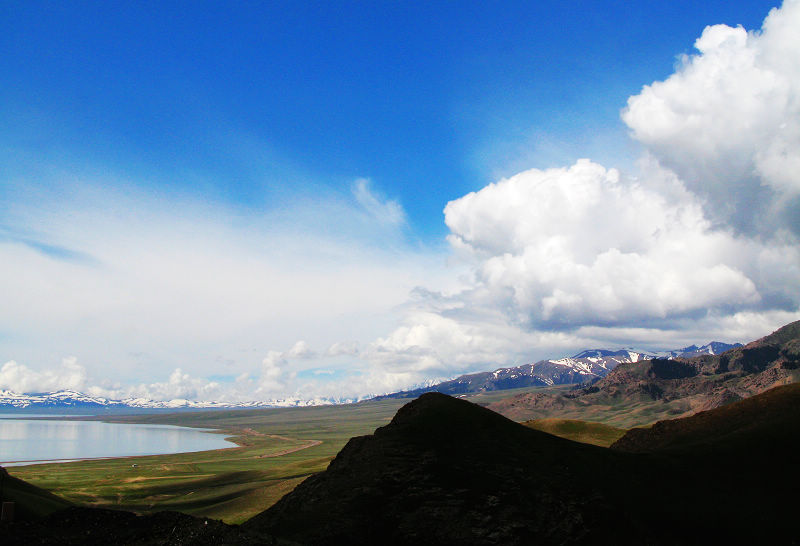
763 420
640 393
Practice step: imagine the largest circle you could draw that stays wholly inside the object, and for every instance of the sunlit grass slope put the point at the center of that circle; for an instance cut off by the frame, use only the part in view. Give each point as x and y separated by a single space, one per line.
579 431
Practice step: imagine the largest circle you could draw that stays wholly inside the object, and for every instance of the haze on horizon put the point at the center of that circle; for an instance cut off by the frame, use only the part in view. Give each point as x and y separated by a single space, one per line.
235 202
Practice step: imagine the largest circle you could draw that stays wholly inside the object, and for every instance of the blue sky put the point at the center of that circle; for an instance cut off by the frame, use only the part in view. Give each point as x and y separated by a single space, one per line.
249 102
329 138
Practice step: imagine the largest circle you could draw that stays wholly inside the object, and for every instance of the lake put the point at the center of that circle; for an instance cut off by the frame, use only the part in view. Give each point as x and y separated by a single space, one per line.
51 440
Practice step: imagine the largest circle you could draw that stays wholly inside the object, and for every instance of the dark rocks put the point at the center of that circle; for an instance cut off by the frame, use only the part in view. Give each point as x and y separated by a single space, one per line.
96 527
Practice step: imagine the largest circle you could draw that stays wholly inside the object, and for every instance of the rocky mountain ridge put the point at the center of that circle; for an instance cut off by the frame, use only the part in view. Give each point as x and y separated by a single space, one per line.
639 393
586 366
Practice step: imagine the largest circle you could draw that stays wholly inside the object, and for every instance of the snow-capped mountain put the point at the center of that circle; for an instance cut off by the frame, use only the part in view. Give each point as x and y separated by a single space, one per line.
583 367
68 399
630 354
712 348
65 398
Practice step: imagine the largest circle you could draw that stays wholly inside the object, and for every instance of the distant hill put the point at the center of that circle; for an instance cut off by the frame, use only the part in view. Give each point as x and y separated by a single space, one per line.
586 366
643 392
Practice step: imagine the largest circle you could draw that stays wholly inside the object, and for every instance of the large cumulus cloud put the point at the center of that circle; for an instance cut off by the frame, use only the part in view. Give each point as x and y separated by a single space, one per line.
728 122
579 245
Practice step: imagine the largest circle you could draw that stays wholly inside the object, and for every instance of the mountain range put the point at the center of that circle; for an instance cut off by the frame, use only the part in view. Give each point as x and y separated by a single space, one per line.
74 400
634 394
585 366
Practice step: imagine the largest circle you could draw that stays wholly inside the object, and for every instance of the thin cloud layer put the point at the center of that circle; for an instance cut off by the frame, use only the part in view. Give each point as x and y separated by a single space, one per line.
384 211
207 289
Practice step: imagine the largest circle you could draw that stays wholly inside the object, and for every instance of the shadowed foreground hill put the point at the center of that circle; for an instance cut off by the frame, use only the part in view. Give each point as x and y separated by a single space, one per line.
445 471
78 526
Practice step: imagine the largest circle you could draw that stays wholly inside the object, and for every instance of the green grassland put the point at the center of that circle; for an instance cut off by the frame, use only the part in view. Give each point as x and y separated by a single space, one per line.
278 448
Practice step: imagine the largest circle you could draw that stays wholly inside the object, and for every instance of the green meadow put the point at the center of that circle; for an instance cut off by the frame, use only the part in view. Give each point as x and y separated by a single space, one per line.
277 449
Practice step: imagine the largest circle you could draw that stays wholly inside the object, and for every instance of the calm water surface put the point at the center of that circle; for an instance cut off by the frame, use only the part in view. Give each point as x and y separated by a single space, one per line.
51 440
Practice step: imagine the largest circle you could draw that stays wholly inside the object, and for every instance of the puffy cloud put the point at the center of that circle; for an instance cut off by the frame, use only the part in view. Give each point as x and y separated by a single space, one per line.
271 379
728 122
584 257
430 343
19 378
580 245
300 350
178 386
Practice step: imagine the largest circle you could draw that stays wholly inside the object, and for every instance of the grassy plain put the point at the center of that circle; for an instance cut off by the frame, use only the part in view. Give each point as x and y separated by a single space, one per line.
278 448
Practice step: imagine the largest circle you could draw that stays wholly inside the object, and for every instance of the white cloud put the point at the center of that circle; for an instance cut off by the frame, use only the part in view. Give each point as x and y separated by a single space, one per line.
728 122
19 378
582 257
271 379
702 244
567 247
300 350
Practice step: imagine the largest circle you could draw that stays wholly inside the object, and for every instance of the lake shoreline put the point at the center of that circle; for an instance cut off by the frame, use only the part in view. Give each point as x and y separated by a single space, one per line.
194 444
